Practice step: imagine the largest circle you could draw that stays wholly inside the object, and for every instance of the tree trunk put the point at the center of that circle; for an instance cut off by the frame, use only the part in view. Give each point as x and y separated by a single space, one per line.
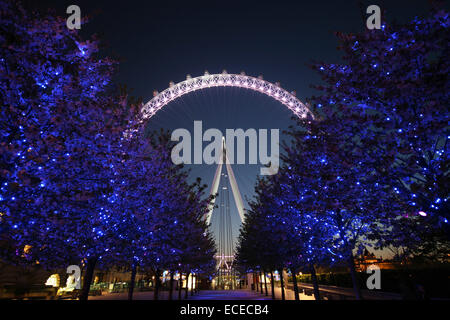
260 282
91 262
294 281
133 281
192 285
315 283
171 285
187 287
254 281
156 291
272 282
282 285
197 284
180 285
265 282
356 288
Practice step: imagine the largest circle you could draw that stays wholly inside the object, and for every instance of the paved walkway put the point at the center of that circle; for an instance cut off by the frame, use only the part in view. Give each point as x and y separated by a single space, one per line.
289 294
228 295
243 294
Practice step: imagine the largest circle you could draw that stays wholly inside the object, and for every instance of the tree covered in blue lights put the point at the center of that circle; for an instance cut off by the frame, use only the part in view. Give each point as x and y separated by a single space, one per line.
371 168
58 130
329 189
80 182
396 78
162 215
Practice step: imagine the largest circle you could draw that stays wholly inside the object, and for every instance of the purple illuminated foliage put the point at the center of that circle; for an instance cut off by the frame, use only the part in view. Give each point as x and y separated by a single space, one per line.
372 168
74 188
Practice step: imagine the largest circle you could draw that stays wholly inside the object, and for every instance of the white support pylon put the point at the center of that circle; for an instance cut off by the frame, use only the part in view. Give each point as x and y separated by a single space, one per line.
234 187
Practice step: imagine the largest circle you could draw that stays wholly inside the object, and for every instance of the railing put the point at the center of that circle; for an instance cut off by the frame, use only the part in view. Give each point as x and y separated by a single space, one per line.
339 293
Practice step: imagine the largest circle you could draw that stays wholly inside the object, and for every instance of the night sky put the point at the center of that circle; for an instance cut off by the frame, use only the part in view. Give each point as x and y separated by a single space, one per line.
163 41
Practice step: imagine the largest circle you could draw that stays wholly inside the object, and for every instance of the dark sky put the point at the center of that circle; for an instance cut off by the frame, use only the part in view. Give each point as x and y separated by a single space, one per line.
162 41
